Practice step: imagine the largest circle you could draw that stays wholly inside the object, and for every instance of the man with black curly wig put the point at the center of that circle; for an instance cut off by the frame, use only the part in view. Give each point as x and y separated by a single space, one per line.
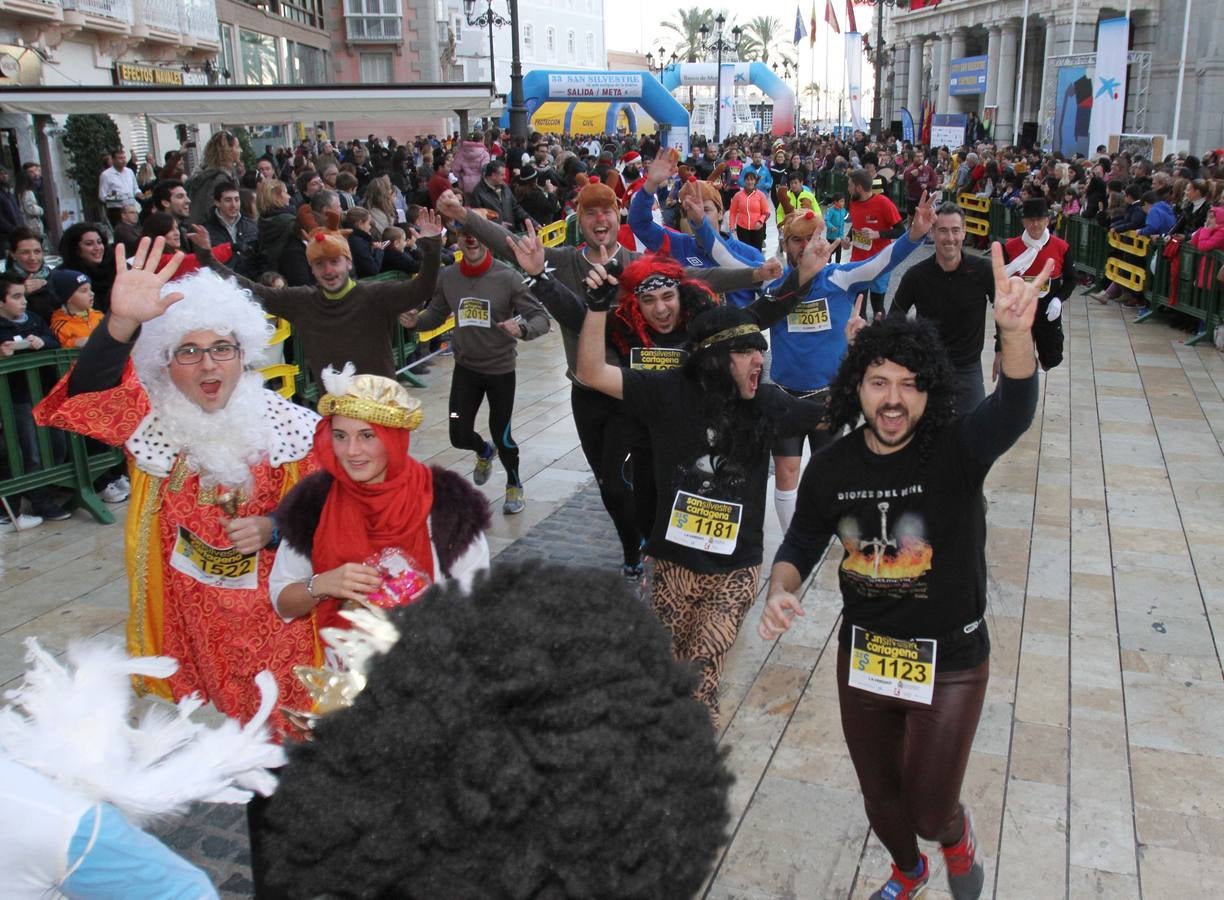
903 494
533 738
711 425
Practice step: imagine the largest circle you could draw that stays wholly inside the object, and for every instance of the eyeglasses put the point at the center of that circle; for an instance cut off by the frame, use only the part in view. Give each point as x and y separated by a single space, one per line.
191 355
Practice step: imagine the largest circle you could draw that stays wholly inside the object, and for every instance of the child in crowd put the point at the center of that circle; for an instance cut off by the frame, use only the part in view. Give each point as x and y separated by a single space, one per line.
23 330
835 223
72 324
400 253
76 317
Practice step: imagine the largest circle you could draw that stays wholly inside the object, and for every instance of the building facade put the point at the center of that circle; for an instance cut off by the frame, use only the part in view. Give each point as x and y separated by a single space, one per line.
925 43
64 43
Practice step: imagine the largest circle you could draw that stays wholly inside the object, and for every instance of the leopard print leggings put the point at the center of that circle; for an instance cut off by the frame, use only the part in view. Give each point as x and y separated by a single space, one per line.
703 614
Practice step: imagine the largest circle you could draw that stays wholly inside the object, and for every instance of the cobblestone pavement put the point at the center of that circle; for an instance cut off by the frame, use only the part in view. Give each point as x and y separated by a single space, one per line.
214 836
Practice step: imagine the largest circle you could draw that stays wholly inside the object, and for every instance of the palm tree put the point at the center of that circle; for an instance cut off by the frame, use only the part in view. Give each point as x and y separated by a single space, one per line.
760 36
812 91
688 28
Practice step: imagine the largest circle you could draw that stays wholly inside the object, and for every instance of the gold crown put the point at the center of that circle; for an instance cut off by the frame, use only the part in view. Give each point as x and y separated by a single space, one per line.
374 399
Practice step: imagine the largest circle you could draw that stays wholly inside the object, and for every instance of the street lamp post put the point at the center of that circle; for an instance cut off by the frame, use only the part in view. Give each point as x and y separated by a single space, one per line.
718 45
664 62
879 58
489 19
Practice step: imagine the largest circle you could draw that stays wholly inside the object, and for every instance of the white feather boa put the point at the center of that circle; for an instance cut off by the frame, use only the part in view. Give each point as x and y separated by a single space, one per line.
73 723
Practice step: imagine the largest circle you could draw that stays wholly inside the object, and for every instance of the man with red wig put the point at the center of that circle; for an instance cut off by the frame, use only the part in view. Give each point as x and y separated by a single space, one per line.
596 417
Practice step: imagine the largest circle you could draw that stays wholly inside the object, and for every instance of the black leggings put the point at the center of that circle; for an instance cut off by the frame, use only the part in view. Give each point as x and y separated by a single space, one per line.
605 435
876 302
468 389
911 758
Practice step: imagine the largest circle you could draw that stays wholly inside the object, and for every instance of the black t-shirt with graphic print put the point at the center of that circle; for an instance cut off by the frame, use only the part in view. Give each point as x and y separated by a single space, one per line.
913 529
708 518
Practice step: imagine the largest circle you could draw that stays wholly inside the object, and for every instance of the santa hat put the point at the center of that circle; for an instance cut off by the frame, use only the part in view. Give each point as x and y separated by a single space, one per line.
632 158
703 190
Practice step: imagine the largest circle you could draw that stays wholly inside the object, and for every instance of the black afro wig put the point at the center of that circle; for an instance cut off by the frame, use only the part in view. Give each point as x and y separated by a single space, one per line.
531 739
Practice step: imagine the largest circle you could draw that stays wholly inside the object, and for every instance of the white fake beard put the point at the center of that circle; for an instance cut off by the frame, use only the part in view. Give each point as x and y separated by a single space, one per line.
221 447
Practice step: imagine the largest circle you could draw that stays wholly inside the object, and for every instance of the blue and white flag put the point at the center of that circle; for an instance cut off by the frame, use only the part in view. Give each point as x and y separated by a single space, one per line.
800 31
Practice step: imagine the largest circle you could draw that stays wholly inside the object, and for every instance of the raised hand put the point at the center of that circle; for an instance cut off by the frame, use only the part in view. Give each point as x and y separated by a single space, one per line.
660 169
924 218
856 322
528 250
136 296
449 205
815 256
198 235
601 281
1015 300
429 223
695 210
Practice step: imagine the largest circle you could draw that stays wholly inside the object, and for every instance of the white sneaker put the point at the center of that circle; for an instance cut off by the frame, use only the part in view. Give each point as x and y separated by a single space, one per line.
123 480
114 492
24 522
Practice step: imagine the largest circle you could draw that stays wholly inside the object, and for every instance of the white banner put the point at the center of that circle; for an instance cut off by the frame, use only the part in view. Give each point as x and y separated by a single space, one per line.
593 86
704 73
854 78
1109 82
726 101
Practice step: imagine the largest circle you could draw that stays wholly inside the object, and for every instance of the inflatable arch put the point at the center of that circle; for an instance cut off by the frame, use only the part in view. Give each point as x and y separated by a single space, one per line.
755 73
557 117
541 86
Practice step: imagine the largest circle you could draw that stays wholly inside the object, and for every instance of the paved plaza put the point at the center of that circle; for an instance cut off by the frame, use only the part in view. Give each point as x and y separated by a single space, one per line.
1098 768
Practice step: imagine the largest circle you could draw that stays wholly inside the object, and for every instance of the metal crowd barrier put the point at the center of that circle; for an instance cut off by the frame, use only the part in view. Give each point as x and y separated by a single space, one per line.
80 462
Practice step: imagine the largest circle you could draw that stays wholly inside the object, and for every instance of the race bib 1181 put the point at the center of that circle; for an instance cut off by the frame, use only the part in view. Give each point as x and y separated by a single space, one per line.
704 523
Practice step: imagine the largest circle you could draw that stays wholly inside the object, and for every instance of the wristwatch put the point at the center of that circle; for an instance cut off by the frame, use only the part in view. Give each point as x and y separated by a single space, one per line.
310 587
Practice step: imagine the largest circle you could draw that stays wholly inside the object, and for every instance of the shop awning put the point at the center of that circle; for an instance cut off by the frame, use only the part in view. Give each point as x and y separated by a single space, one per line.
241 104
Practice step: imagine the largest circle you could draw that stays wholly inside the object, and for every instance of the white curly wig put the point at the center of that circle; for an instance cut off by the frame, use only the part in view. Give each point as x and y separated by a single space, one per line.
210 303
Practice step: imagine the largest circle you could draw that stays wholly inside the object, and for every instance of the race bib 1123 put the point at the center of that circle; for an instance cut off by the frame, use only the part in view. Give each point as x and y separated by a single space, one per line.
894 667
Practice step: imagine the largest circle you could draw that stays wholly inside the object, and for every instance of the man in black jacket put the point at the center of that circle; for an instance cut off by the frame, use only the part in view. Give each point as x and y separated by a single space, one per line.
227 225
492 193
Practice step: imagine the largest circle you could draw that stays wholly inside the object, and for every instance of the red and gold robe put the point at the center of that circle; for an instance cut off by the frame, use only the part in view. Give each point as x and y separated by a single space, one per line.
193 597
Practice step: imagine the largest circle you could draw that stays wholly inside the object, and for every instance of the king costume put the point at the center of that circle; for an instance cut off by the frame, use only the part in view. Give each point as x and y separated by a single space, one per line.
193 596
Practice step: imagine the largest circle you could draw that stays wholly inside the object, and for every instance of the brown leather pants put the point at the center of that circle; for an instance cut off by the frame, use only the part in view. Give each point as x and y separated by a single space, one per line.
911 758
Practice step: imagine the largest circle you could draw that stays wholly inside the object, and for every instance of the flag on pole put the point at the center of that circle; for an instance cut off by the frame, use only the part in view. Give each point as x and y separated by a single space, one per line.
812 30
850 23
830 17
800 33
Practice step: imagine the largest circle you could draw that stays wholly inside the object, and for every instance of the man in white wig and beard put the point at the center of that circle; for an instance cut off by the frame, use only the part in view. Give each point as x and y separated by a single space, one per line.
170 375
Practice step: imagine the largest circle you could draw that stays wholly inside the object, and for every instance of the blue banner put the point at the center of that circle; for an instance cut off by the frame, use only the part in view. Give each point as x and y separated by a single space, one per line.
907 125
967 76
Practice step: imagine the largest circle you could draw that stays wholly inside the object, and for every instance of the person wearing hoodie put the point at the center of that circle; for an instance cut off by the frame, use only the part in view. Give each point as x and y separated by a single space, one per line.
1160 216
470 160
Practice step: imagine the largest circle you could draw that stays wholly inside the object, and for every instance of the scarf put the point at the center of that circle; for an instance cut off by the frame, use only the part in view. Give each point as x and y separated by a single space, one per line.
1025 260
362 519
475 271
